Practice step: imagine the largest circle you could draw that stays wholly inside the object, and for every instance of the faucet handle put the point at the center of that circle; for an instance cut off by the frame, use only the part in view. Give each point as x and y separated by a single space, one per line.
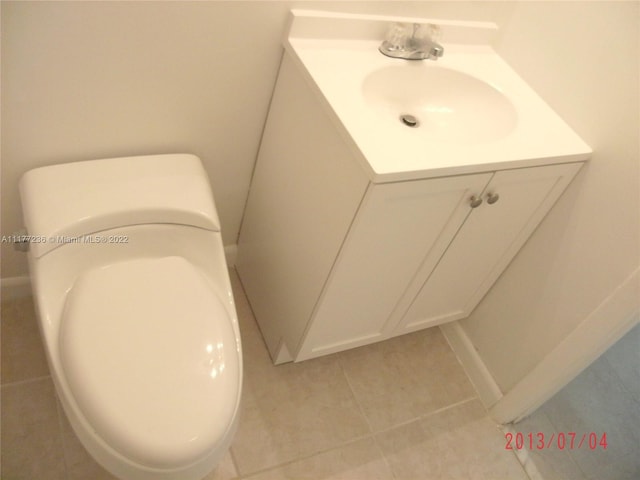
412 41
434 31
427 32
397 36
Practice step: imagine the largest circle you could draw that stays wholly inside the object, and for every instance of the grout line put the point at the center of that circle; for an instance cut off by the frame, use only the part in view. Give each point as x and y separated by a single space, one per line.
425 415
384 457
355 397
372 435
307 457
406 422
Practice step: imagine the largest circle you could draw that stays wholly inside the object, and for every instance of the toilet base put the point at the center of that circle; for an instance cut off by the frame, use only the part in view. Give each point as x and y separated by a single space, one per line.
122 468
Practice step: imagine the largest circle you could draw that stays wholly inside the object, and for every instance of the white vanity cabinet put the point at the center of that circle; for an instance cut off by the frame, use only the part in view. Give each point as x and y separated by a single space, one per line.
422 253
514 203
401 229
331 260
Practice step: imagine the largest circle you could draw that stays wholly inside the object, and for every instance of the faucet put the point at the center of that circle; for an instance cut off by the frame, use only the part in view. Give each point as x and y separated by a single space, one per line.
418 46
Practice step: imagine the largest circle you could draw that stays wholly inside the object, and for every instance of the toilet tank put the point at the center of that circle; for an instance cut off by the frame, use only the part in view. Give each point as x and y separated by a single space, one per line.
80 198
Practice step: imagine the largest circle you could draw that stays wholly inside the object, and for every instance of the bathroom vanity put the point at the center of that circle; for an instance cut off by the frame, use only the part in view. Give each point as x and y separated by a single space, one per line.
359 226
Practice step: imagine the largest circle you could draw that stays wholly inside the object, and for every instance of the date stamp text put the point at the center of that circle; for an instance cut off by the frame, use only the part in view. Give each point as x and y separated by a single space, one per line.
560 441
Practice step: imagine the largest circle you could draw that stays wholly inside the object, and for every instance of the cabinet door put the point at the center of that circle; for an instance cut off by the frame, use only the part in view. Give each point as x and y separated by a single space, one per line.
399 228
486 243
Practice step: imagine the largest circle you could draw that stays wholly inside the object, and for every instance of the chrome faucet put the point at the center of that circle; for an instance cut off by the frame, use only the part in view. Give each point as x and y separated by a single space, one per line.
419 45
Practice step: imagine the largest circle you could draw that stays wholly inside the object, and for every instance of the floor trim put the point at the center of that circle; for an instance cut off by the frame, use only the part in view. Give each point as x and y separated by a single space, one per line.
488 390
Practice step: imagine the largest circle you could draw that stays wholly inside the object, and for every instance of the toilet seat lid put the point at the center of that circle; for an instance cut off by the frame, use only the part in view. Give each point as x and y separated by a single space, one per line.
152 359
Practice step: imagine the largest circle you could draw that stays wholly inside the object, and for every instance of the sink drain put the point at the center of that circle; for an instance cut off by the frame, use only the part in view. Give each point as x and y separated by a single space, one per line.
409 120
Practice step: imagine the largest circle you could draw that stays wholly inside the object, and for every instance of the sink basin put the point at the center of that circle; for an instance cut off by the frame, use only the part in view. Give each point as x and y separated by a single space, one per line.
472 111
447 105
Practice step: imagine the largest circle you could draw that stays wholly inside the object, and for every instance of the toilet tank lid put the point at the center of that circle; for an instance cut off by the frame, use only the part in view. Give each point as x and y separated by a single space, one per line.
66 201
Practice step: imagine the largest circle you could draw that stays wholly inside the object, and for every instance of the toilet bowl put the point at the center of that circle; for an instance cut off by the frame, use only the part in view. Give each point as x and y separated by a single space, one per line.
136 311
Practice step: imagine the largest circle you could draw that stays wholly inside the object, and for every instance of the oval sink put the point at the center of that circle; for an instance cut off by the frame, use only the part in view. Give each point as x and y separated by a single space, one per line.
448 105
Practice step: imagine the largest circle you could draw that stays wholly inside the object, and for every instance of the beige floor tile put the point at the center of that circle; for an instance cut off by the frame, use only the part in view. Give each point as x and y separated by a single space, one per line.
405 377
23 356
460 443
297 421
361 460
31 436
289 411
293 411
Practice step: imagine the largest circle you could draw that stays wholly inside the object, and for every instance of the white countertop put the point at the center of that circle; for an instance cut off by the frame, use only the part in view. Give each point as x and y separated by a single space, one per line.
337 68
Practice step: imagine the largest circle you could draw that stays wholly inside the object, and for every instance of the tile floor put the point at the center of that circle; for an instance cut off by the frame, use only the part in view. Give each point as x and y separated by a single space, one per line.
401 409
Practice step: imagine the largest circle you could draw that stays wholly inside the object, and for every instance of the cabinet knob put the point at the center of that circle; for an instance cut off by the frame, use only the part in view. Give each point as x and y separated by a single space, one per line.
492 198
475 201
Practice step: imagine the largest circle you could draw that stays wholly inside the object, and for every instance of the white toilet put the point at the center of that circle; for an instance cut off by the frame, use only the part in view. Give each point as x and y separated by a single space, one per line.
136 311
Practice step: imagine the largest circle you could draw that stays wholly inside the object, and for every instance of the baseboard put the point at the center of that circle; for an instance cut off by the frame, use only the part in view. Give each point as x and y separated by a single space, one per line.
488 390
15 287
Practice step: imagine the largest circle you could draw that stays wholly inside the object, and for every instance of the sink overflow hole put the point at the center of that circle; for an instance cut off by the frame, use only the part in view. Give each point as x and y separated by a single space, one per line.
409 120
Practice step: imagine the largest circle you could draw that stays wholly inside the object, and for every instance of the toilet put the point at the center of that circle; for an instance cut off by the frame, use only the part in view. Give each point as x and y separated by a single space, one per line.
136 311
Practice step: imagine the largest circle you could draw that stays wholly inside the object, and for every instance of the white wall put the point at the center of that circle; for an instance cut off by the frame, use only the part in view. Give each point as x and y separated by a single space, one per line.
583 58
91 79
83 80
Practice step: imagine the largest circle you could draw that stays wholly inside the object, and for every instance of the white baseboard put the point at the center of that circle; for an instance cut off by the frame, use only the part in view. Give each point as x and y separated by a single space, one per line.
488 390
15 287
